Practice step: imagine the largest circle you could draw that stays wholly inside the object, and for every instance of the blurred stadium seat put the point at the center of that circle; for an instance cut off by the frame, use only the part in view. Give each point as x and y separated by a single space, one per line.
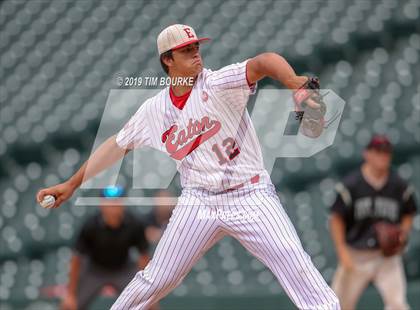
59 59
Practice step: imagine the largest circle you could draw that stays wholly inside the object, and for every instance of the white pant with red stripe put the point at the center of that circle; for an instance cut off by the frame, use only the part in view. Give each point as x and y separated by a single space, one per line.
254 216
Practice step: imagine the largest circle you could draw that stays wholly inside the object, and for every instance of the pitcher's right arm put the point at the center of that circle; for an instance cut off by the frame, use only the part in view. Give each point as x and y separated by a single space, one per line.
104 156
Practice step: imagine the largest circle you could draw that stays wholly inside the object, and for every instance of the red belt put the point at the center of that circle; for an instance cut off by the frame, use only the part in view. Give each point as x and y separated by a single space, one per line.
254 179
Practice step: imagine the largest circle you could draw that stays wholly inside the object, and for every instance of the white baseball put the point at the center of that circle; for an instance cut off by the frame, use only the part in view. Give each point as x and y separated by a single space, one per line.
48 202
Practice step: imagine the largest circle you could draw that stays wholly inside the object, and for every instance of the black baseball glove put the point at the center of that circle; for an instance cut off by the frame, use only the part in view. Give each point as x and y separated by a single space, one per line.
310 108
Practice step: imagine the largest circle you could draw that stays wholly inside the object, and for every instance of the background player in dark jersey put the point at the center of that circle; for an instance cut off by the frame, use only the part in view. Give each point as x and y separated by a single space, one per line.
101 252
370 195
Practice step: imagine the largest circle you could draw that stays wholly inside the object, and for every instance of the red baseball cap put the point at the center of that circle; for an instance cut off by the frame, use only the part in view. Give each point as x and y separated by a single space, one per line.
381 143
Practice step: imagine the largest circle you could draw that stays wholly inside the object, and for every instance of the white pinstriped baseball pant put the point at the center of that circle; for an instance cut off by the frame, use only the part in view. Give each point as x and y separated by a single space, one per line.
269 236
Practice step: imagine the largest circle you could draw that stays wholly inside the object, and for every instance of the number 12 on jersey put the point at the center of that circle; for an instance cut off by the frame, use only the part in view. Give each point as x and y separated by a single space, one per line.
227 151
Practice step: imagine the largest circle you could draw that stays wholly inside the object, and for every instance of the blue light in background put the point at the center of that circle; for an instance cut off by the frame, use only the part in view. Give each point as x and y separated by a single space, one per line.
113 191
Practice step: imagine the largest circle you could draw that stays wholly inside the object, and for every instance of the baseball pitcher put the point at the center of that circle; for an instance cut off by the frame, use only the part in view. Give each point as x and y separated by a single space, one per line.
206 129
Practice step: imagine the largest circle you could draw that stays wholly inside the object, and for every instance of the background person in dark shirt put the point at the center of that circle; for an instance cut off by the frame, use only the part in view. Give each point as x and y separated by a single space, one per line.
102 252
368 196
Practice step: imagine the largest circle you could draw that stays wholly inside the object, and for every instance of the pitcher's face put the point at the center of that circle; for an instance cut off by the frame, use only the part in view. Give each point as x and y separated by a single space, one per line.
187 60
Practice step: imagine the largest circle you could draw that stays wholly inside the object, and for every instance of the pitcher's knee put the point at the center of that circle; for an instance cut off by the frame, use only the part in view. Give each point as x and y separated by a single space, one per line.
153 285
159 284
142 292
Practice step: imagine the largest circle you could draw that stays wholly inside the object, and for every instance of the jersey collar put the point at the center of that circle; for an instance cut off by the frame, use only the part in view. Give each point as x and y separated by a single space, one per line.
179 101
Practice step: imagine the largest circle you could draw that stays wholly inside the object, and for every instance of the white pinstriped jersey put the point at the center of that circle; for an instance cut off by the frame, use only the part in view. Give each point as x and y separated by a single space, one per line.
211 138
